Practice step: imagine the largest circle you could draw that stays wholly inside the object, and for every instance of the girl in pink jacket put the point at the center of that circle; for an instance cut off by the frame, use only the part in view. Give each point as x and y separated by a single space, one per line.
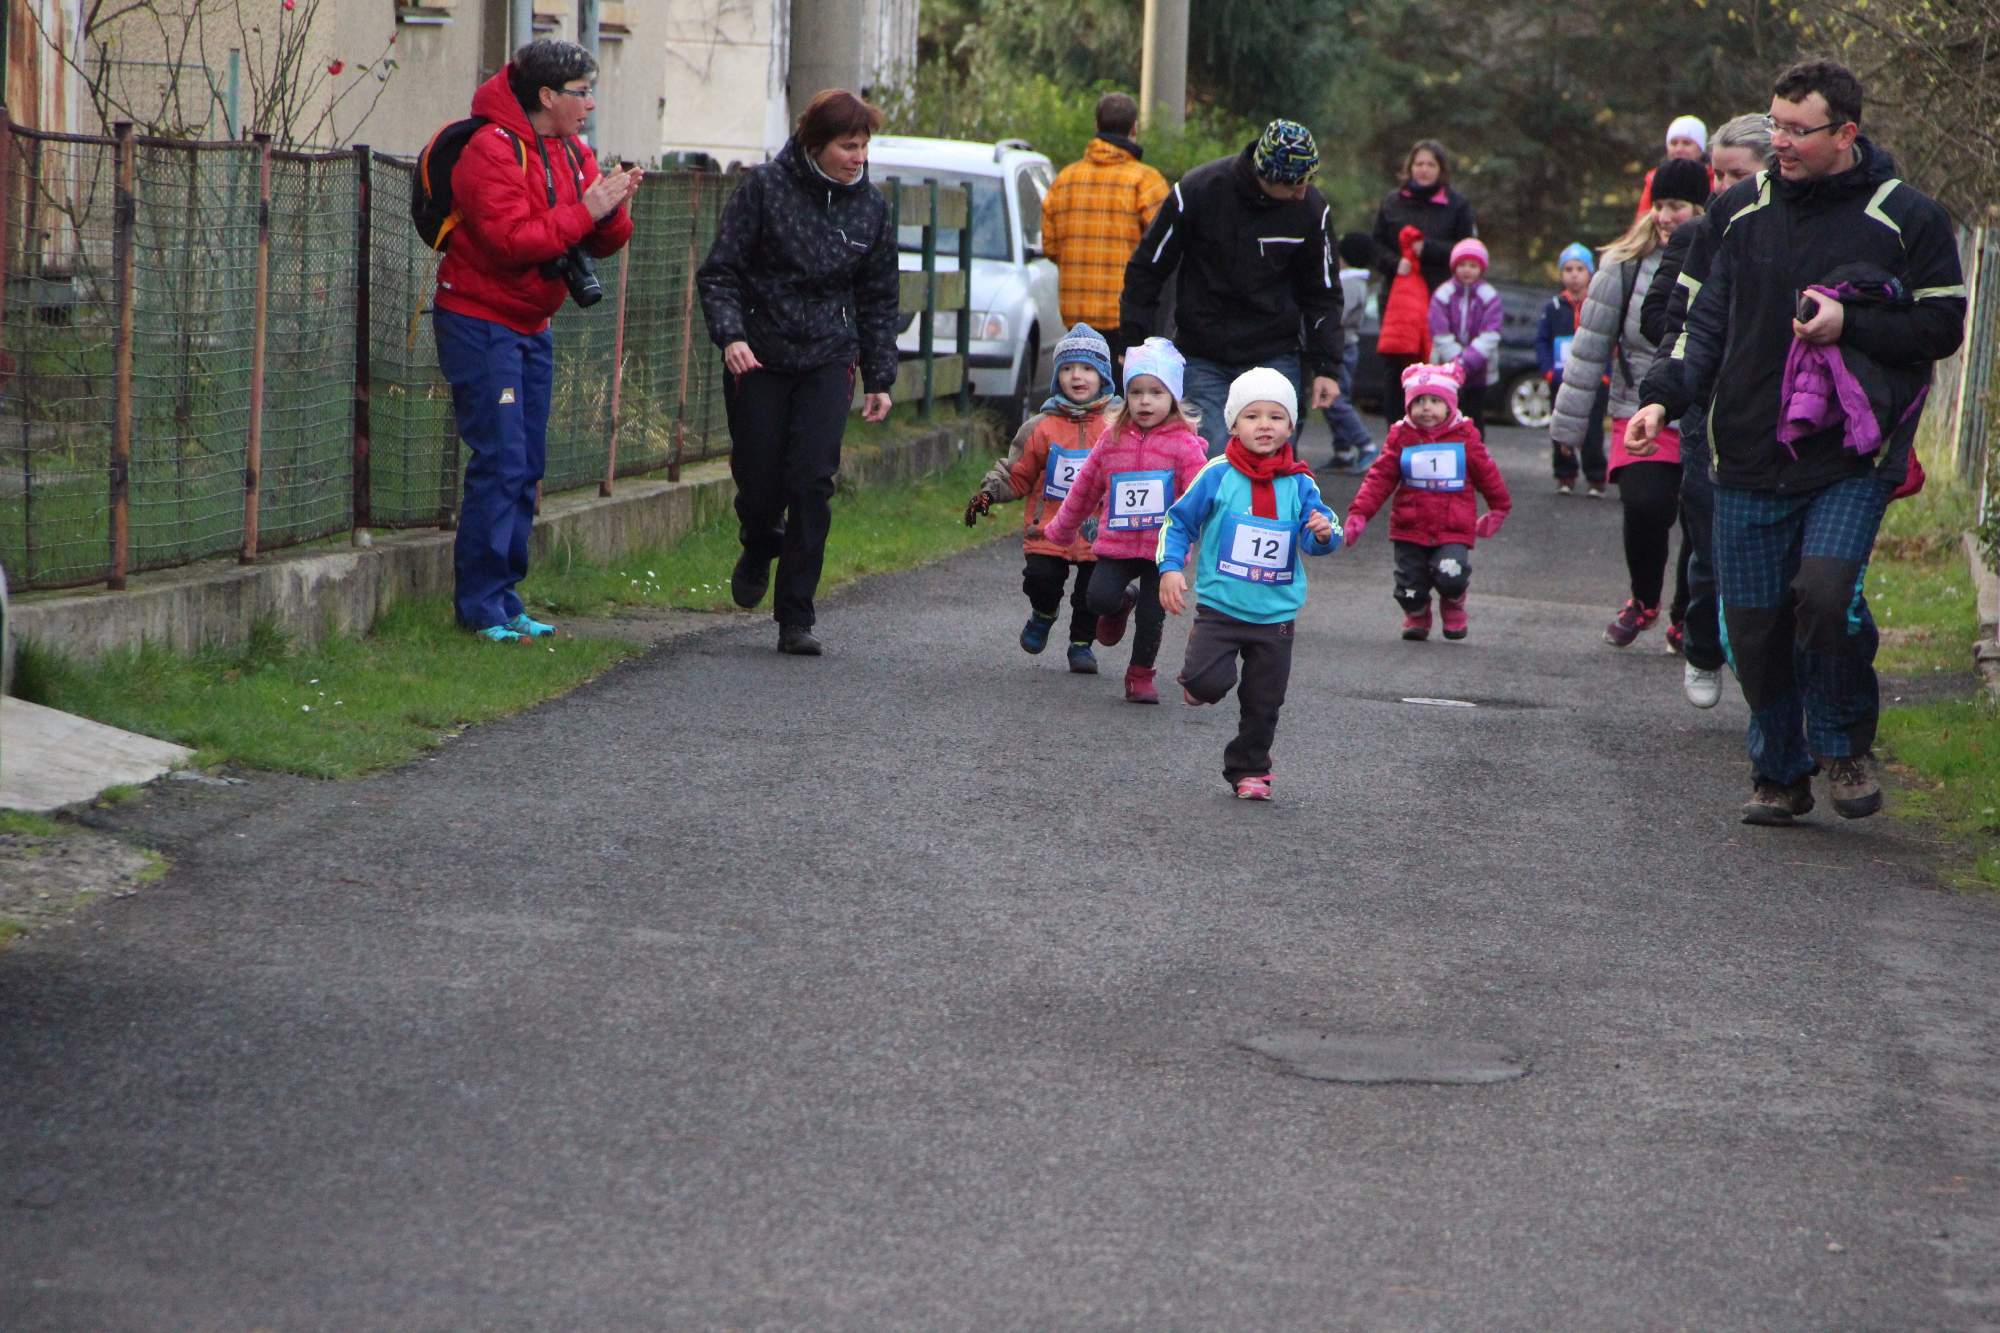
1145 460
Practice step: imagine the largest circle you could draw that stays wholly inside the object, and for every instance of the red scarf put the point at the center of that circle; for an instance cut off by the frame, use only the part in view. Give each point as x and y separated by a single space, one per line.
1263 469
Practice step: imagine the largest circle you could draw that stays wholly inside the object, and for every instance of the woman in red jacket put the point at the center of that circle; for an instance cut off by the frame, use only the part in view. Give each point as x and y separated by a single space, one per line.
529 194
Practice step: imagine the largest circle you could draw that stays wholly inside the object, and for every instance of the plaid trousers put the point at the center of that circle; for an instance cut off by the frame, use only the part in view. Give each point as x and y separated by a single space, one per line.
1795 623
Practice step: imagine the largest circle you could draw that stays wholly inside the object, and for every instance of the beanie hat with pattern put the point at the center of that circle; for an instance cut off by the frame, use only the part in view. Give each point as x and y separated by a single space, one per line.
1260 384
1678 178
1085 345
1437 381
1580 252
1470 248
1285 153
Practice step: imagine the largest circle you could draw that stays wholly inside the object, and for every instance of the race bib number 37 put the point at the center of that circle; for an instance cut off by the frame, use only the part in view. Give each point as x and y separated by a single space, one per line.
1138 500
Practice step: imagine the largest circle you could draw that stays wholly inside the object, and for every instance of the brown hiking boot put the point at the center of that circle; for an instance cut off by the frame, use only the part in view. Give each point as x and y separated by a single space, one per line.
1776 805
1856 794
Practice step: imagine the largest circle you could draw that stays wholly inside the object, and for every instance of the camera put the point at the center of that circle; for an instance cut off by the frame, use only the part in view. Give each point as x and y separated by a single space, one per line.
578 272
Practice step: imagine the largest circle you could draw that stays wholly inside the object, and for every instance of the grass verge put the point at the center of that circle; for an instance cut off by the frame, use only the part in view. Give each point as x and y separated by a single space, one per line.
349 706
874 531
1947 754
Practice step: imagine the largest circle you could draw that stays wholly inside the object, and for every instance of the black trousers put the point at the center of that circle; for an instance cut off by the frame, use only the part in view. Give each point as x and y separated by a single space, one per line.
1214 645
1107 594
1472 402
1651 495
1591 451
1392 386
1043 579
1700 607
1420 568
784 448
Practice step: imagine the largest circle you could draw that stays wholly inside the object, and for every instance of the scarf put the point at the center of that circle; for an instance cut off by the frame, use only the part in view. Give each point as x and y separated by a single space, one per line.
1263 469
1075 411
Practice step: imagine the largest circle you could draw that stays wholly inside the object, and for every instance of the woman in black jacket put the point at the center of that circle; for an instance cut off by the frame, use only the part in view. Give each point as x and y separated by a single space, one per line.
1426 201
798 290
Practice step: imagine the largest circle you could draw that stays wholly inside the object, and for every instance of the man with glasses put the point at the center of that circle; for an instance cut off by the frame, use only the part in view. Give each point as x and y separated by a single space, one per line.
530 198
1825 249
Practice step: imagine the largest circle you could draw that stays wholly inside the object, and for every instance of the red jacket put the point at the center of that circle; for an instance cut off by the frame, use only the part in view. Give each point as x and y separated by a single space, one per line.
1434 508
492 264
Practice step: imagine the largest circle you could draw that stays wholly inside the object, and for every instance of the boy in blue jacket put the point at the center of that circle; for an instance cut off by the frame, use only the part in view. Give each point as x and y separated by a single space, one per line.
1253 510
1561 318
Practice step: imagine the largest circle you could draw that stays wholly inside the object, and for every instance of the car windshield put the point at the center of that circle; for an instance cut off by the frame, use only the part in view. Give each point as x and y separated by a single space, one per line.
989 211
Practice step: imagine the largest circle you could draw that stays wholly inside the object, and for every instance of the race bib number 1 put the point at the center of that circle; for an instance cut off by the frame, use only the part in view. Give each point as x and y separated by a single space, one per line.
1138 500
1434 467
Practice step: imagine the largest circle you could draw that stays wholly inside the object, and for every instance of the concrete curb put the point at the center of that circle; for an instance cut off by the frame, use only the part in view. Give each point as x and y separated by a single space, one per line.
313 593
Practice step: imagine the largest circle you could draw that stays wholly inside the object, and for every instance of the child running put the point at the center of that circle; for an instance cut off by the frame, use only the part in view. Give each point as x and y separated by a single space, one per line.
1146 458
1253 510
1047 454
1428 462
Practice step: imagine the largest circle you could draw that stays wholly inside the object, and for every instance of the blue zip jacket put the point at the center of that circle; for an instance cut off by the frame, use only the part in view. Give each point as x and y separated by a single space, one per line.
1250 566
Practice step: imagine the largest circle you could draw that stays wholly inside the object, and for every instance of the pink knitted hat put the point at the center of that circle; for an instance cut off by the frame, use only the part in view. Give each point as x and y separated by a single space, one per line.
1437 381
1470 248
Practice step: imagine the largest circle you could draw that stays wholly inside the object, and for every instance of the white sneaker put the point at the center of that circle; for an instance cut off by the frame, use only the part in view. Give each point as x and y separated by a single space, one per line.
1703 688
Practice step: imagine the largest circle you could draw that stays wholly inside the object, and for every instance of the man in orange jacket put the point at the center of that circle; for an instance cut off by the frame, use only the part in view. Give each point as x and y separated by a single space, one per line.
1095 214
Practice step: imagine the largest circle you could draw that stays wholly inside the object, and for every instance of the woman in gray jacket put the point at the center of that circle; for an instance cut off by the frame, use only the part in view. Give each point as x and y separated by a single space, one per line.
1609 338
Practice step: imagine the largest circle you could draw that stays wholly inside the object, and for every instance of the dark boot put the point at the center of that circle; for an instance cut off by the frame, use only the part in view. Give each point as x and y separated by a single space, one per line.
750 580
798 640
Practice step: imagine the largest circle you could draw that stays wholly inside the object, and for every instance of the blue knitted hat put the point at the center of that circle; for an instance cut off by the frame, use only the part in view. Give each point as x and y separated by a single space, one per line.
1085 345
1160 359
1578 251
1285 153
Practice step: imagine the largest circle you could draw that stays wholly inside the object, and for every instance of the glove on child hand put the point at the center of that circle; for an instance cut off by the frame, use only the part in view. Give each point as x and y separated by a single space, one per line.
1489 523
1350 531
980 503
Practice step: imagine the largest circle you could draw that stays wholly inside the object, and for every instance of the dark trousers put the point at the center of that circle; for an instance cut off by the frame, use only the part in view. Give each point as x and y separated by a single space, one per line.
1472 402
1591 451
1420 568
784 447
1791 569
1209 670
500 390
1651 496
1700 619
1043 579
1107 593
1392 386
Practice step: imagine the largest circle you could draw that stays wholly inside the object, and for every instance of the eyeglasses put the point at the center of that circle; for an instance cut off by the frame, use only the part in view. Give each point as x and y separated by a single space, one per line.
577 92
1793 132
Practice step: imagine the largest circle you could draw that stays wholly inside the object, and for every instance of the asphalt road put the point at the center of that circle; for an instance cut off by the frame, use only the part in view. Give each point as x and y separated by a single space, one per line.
911 987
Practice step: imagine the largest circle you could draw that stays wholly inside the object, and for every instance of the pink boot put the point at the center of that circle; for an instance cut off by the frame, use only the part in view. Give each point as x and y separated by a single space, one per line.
1453 609
1417 624
1139 687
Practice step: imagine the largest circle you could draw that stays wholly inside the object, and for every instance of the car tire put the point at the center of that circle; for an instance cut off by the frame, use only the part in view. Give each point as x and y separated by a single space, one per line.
1527 402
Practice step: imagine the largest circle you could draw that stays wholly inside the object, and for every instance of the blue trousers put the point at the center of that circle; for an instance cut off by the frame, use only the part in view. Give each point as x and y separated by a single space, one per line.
501 383
1350 432
1207 388
1795 621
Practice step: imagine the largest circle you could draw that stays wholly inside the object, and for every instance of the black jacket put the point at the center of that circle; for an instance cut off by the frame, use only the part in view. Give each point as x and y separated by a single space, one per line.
804 270
1251 268
1443 225
1763 241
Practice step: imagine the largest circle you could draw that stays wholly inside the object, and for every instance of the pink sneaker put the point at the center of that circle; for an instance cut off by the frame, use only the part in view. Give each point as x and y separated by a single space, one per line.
1453 610
1632 620
1254 788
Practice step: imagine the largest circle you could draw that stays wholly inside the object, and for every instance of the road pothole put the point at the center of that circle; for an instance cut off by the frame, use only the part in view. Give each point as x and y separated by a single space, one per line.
1332 1057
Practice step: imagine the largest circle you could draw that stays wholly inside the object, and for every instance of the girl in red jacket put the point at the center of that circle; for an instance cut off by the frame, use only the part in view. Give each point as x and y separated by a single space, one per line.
1433 461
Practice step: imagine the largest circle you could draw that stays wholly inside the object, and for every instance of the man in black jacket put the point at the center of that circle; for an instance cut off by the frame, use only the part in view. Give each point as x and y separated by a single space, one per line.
1248 237
1794 524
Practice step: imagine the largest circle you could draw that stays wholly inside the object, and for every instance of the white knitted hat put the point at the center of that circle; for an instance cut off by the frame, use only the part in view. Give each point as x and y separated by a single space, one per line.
1261 385
1688 127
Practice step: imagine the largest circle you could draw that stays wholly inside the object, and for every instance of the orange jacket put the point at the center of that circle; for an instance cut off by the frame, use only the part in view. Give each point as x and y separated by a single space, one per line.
1024 475
1092 219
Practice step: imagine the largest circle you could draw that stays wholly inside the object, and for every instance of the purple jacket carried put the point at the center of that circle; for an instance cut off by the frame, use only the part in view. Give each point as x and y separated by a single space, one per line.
1827 386
1465 327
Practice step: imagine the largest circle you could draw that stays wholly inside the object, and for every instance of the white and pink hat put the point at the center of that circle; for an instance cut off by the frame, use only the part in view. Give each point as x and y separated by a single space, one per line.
1470 248
1437 381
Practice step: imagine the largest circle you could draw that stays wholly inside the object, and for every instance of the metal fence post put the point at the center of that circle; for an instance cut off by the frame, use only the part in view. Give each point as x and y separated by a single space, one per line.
965 308
260 318
927 331
124 222
617 371
364 270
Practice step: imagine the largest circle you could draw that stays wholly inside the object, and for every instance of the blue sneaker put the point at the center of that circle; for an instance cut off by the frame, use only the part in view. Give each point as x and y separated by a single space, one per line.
1081 660
1364 459
529 628
498 634
1035 634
